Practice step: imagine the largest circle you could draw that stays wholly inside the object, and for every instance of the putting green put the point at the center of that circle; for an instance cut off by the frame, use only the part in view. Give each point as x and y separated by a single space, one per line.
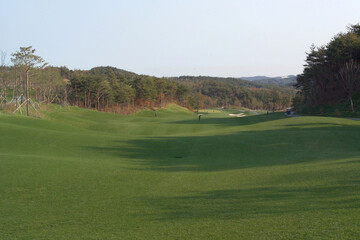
81 174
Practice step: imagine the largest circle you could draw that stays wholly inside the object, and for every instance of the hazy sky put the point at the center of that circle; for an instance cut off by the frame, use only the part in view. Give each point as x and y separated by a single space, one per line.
171 38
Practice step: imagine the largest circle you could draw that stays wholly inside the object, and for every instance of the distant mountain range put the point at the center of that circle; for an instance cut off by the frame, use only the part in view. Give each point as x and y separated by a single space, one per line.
282 80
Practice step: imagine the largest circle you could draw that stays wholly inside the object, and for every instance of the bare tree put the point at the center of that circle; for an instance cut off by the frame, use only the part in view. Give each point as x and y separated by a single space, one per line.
3 75
18 82
349 77
28 59
3 56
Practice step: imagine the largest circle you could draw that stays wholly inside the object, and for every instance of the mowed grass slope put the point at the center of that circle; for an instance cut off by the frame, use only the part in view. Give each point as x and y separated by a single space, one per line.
80 174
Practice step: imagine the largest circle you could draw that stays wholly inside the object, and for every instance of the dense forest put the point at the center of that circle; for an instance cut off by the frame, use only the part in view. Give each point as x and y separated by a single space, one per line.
30 81
331 75
231 92
282 81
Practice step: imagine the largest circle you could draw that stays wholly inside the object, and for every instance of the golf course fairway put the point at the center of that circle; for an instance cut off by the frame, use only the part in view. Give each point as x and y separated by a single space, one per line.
82 174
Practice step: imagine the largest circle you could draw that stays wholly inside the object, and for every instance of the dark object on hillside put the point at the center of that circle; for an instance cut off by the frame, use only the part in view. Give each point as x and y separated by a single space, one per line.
199 117
155 114
288 111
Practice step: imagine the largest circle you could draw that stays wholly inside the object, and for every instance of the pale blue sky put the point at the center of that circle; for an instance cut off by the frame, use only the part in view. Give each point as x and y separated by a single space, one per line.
171 38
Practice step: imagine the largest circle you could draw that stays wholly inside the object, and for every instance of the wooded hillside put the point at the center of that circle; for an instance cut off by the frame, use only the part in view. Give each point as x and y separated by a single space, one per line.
114 90
331 74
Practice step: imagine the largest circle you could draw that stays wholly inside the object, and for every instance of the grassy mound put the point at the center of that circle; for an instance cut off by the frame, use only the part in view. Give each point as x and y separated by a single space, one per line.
81 174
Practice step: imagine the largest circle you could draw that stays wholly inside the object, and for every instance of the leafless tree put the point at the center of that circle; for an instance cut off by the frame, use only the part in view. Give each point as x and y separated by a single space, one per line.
349 76
4 75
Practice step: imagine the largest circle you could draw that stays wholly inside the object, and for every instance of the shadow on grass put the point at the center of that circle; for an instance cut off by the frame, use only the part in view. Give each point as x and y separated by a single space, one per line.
240 150
234 121
255 202
297 143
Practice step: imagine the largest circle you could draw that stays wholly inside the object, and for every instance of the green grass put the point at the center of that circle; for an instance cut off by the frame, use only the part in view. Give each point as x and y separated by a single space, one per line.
81 174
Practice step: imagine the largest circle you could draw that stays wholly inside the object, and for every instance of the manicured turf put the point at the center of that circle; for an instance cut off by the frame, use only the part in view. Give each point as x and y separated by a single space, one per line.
80 174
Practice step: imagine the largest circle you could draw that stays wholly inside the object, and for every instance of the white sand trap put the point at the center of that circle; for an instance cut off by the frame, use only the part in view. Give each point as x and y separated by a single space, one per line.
237 115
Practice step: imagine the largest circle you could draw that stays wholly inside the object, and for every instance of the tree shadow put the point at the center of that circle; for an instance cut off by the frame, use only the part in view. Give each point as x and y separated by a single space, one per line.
243 149
255 202
296 143
314 125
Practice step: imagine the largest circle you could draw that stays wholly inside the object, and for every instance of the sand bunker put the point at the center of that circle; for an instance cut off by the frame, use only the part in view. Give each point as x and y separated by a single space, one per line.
237 115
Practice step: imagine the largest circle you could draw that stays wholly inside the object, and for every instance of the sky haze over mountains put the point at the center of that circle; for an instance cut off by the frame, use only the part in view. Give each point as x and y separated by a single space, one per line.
171 38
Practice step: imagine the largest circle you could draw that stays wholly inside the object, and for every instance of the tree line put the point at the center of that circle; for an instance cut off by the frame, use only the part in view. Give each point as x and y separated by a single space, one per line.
29 81
232 92
331 74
